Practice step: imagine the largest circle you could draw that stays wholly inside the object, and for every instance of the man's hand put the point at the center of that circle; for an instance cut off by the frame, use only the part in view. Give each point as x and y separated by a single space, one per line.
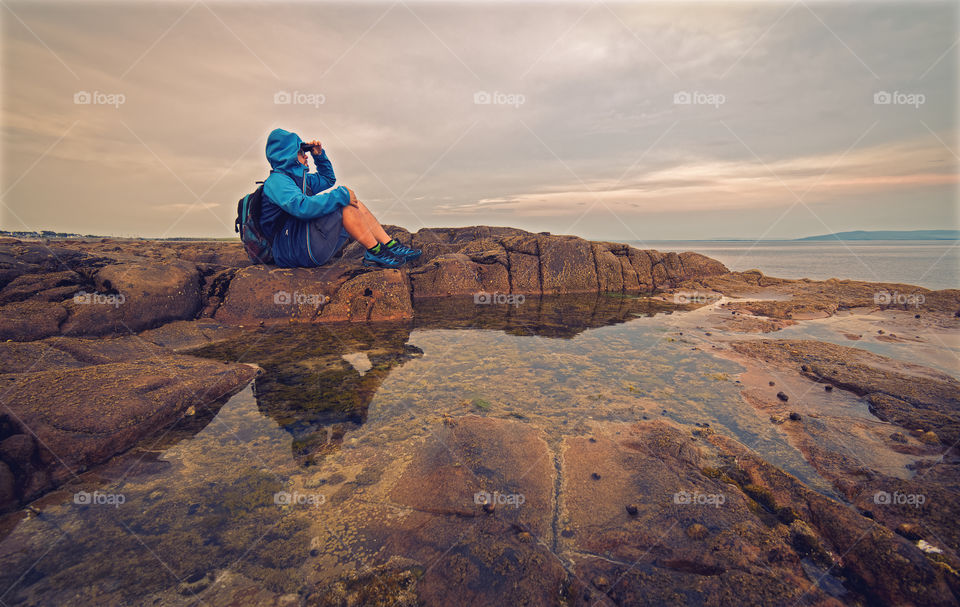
317 147
354 202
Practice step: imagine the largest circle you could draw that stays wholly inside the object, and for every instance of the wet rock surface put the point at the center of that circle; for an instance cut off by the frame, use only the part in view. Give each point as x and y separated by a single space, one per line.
785 299
911 396
69 404
897 471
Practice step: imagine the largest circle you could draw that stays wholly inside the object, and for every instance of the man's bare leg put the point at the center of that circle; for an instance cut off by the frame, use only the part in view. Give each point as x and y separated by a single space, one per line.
356 223
376 230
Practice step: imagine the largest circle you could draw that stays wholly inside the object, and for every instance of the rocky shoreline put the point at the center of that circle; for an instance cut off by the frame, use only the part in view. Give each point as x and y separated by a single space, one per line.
100 352
140 296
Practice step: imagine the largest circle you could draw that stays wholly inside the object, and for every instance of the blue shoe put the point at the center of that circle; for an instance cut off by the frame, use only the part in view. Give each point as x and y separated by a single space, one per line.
384 259
404 252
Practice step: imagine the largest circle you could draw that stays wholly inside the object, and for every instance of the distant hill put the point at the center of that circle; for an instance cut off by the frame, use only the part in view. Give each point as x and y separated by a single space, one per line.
889 235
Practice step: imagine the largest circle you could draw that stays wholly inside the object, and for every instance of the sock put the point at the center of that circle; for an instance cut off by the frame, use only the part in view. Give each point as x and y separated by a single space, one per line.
393 242
375 249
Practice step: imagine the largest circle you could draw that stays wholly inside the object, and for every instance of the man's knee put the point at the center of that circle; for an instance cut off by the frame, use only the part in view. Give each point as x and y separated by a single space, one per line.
351 212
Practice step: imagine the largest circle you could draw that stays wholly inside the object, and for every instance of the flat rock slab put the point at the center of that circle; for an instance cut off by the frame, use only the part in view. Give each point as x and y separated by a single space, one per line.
69 419
787 299
427 505
691 539
921 407
708 523
912 396
60 353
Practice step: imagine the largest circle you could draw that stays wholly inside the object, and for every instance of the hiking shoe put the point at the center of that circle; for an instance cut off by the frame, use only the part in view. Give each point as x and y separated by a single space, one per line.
384 259
404 252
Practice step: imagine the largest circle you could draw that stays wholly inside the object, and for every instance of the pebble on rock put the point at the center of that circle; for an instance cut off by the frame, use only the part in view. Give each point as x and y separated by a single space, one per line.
632 510
595 476
783 396
794 416
828 388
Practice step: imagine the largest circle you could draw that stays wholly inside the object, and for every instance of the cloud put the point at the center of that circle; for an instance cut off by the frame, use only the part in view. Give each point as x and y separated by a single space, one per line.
598 125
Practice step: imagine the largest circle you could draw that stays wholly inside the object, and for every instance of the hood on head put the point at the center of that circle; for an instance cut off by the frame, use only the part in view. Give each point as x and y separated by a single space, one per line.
282 148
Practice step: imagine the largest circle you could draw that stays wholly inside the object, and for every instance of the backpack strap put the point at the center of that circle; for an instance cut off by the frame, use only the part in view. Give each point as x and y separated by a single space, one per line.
282 220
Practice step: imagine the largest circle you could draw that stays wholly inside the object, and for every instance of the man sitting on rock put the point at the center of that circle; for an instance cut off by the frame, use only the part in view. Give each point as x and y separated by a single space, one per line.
311 217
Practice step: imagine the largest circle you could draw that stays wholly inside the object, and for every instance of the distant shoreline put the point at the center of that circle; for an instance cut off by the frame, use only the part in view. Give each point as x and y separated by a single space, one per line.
948 236
799 240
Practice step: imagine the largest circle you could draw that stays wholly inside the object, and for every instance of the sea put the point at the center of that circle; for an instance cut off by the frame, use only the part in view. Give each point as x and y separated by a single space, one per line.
934 264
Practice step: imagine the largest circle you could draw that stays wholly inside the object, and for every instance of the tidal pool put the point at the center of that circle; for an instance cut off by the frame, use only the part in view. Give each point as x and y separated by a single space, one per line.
244 494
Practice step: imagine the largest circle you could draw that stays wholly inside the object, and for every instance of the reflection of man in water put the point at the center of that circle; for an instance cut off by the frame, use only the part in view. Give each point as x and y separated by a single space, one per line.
318 382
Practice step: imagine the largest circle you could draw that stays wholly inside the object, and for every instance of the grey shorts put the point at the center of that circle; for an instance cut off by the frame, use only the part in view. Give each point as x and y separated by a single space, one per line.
326 236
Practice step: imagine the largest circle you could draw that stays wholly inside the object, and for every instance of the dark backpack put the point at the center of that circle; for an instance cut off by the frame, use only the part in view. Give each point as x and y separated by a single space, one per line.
256 243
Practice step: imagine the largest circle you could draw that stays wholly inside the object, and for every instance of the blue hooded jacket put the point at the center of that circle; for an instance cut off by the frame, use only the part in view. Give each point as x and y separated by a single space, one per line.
292 197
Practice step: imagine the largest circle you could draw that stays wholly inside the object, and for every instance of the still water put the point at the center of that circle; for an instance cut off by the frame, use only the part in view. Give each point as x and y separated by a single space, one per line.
930 264
252 486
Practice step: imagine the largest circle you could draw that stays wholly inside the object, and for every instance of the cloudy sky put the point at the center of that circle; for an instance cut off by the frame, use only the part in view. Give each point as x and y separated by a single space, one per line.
605 119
